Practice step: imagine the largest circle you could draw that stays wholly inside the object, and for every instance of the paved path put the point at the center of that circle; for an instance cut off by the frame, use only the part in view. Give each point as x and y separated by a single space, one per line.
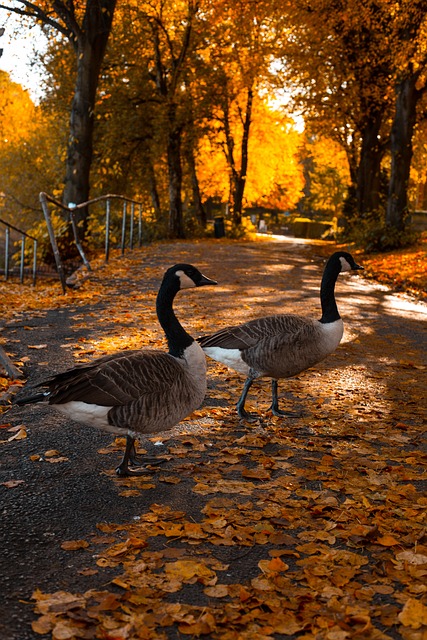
373 383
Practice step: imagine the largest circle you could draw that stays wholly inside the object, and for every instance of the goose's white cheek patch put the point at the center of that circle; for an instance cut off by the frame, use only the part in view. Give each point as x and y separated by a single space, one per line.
345 266
230 357
186 282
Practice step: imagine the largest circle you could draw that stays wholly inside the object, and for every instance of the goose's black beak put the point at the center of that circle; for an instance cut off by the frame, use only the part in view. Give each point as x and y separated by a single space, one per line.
205 281
357 267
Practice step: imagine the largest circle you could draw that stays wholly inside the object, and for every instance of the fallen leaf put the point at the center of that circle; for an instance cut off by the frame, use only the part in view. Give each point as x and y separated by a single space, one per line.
51 453
11 484
413 614
19 435
72 545
387 540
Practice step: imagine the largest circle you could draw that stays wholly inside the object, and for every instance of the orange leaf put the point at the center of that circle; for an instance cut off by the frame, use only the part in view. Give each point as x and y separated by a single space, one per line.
387 540
413 614
72 545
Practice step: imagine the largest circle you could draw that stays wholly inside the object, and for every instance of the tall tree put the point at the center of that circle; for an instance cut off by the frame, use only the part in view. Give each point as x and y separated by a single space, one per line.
337 61
170 29
242 39
86 24
410 31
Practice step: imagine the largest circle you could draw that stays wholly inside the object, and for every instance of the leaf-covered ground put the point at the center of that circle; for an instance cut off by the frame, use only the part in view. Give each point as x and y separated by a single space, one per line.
310 528
403 270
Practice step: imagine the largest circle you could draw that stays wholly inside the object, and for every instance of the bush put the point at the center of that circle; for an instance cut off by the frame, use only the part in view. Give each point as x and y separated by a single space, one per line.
246 230
373 235
307 228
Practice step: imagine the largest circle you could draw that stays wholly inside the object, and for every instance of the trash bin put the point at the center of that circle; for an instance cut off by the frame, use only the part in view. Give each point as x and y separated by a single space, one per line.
219 229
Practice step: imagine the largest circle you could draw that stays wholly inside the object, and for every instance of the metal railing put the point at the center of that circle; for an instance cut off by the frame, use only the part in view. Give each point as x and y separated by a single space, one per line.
8 243
135 226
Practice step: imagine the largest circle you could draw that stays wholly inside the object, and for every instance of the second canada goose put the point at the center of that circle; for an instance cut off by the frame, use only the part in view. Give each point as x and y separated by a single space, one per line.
281 346
142 391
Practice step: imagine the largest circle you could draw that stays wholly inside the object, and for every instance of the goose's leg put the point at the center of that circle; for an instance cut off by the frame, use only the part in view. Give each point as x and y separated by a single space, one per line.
274 407
130 456
241 403
135 461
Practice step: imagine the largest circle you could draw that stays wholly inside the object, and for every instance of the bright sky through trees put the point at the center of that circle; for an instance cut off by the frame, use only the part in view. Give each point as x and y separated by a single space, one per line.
19 50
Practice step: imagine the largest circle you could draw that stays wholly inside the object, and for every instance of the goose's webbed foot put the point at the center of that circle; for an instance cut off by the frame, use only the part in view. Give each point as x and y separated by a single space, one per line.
124 470
140 462
283 414
245 415
130 460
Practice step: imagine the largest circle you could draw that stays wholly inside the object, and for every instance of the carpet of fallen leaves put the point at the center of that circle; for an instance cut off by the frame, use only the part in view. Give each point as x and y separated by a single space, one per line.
325 513
403 270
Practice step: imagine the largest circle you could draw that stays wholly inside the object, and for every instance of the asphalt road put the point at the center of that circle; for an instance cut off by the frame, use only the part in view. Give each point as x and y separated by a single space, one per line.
65 501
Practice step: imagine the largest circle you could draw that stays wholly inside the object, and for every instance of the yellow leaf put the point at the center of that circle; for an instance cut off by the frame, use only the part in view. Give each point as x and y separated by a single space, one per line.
188 569
413 614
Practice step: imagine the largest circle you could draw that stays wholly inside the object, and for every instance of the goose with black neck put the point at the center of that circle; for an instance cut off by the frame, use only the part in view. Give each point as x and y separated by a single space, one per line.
137 392
283 345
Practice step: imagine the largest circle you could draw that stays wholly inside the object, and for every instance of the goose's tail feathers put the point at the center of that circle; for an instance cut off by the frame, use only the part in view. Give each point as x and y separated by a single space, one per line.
38 397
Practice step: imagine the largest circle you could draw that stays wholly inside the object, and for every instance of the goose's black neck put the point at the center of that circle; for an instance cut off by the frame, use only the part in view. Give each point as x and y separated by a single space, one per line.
327 292
177 337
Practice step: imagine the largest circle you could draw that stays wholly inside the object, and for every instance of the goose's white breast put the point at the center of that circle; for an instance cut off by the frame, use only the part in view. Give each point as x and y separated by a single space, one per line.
332 333
230 357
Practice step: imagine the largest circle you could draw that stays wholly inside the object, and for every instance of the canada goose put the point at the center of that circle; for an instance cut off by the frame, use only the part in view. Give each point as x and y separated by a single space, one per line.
141 391
281 346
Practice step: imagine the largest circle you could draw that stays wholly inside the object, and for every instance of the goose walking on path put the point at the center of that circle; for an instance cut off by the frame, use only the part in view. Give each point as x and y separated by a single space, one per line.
137 392
281 346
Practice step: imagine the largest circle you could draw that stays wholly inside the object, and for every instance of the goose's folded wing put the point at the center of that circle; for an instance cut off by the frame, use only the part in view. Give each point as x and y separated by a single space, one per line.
116 380
251 333
230 338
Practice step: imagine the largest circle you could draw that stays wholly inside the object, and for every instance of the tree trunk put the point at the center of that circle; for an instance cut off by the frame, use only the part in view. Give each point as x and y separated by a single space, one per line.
154 193
401 150
80 142
238 177
240 182
190 144
199 209
90 43
176 225
369 169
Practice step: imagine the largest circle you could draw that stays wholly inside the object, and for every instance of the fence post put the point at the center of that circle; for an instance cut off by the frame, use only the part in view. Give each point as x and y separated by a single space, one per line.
53 242
86 263
107 230
34 262
140 226
123 227
6 253
21 266
132 214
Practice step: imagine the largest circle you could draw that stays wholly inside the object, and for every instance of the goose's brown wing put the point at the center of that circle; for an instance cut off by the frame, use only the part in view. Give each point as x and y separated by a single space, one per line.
250 333
116 380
